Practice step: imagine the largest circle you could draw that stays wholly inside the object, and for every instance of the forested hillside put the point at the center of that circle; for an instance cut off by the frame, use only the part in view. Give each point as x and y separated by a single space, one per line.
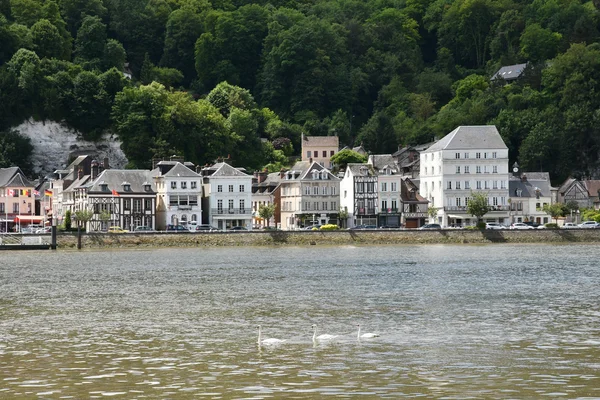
239 79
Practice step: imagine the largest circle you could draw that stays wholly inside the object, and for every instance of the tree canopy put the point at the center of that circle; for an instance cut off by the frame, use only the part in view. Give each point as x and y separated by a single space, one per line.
217 78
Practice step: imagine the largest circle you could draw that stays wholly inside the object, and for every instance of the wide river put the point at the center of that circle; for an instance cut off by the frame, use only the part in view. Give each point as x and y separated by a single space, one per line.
455 322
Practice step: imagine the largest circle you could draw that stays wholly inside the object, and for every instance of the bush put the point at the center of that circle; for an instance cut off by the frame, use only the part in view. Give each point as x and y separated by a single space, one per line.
551 226
329 227
480 225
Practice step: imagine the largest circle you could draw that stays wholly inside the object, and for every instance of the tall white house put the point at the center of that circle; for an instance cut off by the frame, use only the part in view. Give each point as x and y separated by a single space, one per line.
470 159
179 195
228 192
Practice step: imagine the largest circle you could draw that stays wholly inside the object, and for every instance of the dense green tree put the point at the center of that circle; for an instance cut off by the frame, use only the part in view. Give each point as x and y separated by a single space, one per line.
90 43
478 205
75 11
114 55
15 150
225 97
47 41
344 157
539 44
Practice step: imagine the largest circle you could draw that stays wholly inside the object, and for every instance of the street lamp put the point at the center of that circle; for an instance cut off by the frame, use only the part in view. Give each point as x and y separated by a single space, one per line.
74 217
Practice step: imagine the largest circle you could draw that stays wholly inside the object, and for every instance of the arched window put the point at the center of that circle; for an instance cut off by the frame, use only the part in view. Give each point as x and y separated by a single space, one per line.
194 218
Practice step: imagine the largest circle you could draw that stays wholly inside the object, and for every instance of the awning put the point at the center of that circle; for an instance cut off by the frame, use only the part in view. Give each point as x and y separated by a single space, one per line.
30 219
465 216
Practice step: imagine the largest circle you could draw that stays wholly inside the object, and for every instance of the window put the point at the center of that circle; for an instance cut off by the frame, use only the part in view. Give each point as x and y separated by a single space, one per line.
137 205
324 153
425 170
477 155
456 155
494 201
494 154
2 208
230 188
308 154
194 185
242 205
394 188
324 206
230 204
220 206
478 184
519 206
127 203
494 169
306 189
478 169
466 155
331 153
458 201
333 190
457 184
184 185
458 169
487 185
495 185
15 208
147 204
440 170
316 206
449 185
173 185
315 190
467 170
219 188
384 205
467 185
333 205
241 188
486 169
384 186
502 184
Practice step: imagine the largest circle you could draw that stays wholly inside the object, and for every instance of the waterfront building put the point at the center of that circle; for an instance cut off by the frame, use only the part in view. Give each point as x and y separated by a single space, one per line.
227 201
585 193
265 191
119 197
179 195
17 200
319 149
468 159
63 199
529 192
309 196
359 196
388 187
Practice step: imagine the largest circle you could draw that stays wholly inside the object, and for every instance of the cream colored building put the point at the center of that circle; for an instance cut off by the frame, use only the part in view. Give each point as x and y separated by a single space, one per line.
17 200
320 149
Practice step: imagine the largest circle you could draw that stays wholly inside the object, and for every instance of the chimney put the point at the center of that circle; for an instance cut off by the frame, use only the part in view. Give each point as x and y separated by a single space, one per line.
94 169
80 172
281 173
105 164
262 176
523 178
310 160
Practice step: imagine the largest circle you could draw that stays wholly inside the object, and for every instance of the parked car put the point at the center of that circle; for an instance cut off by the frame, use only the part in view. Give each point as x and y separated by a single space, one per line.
205 228
237 229
521 225
431 226
143 229
46 229
116 229
589 224
30 229
271 228
570 225
362 227
493 225
176 228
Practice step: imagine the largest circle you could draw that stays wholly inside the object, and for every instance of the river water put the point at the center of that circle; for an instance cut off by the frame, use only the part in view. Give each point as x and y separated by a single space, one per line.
455 322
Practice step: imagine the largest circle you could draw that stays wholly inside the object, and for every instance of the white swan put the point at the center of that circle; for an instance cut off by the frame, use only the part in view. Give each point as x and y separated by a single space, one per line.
269 341
321 337
368 335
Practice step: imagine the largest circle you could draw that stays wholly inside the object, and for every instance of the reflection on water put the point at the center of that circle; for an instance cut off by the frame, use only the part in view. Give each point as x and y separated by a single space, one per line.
455 322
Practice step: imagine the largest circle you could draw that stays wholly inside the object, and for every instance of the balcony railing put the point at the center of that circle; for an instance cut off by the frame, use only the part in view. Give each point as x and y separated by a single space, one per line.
415 215
366 211
231 211
389 211
455 208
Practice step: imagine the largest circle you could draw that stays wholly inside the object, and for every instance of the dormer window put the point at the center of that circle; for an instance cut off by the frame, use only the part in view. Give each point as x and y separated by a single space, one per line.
147 187
126 186
323 174
104 186
315 174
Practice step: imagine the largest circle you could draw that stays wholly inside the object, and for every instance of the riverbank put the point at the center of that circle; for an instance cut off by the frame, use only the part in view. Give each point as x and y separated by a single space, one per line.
317 238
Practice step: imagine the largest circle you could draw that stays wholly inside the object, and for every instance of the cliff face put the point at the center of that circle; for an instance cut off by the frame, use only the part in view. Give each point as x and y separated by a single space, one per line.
54 144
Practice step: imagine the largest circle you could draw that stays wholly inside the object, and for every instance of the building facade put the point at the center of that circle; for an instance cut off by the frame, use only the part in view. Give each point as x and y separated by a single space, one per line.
179 195
17 201
529 192
228 197
467 160
319 149
359 195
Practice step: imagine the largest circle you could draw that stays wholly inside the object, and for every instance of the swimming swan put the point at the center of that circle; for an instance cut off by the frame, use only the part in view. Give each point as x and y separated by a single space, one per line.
321 337
268 341
365 335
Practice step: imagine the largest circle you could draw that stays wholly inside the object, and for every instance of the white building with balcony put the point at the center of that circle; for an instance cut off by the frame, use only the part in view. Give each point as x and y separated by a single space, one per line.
468 160
227 196
179 191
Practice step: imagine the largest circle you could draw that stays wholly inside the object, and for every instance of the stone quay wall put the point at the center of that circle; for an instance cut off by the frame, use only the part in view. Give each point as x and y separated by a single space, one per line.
317 238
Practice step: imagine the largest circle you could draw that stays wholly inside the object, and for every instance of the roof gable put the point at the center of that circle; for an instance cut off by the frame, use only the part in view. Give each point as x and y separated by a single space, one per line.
321 141
13 177
180 170
224 169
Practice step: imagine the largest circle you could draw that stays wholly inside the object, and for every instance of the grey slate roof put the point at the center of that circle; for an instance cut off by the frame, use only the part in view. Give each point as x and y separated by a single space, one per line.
13 177
224 169
316 166
114 178
470 137
379 161
528 187
180 170
361 169
509 72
